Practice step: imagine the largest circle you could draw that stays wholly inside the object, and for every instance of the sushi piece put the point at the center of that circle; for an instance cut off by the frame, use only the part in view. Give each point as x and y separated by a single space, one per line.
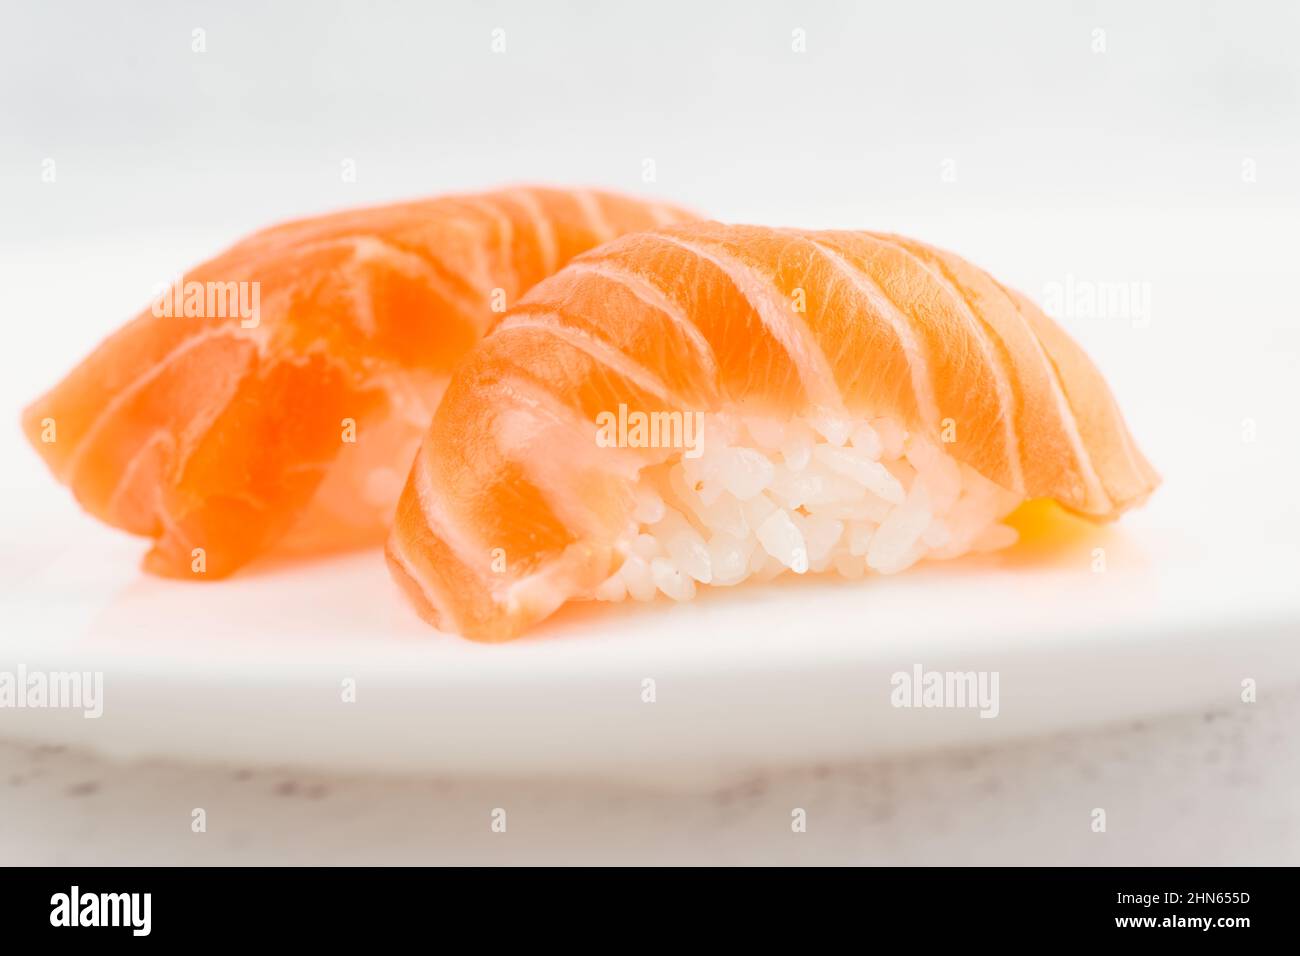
709 404
273 397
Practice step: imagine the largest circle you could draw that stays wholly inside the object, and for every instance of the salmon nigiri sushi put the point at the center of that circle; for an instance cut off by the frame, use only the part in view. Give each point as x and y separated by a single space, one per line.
274 396
707 404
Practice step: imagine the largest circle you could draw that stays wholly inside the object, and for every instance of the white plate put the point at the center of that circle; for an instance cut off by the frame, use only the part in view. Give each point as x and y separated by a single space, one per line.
1199 594
254 669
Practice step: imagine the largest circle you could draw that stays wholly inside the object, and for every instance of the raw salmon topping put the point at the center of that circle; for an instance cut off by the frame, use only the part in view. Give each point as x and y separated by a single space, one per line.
538 481
275 395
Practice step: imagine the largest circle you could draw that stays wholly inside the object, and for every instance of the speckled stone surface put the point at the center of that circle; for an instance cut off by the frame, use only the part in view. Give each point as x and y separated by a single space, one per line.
1220 787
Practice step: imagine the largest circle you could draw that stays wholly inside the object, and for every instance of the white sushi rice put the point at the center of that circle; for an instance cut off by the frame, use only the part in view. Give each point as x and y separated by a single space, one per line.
814 494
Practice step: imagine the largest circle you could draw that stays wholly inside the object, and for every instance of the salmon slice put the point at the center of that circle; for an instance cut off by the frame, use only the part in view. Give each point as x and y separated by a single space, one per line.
275 396
707 404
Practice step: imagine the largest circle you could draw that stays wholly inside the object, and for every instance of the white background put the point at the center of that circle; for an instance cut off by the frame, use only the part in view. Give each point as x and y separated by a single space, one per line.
1122 165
